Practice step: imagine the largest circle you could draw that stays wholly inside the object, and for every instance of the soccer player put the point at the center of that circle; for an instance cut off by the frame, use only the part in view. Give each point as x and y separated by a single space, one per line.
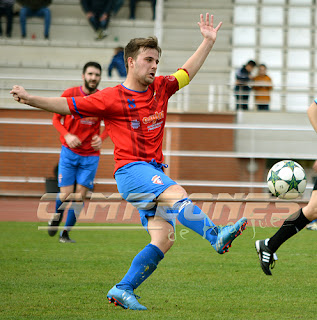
294 223
81 142
135 115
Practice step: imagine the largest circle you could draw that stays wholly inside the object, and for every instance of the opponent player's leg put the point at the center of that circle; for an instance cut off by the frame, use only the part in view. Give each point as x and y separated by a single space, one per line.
191 216
143 264
293 224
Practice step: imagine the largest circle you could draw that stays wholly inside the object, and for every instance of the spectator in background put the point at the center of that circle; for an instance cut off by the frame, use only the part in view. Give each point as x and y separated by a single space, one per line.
242 88
98 15
262 87
133 5
35 8
6 9
118 63
116 6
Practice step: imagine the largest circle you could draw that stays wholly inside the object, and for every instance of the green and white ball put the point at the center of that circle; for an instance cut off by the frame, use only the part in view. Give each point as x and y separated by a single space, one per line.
287 179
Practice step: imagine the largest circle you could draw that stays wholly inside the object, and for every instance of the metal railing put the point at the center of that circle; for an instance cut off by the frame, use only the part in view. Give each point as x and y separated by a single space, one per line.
251 154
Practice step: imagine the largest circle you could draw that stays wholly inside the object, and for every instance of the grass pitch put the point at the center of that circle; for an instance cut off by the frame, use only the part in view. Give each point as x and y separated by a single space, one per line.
43 279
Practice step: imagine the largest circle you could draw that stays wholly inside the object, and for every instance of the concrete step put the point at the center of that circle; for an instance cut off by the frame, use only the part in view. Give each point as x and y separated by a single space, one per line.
72 32
58 57
144 11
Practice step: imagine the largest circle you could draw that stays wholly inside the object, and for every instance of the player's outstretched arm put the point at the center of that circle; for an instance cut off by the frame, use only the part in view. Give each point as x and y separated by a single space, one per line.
194 63
56 105
312 115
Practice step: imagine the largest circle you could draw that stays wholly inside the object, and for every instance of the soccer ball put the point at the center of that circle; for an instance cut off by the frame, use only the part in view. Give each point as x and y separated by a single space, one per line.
287 179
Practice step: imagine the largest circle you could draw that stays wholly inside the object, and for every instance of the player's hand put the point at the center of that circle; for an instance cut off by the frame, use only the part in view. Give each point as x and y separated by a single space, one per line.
207 27
72 140
315 166
19 94
96 142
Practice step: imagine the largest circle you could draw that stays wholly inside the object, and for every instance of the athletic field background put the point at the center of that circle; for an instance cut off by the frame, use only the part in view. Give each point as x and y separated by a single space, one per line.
43 279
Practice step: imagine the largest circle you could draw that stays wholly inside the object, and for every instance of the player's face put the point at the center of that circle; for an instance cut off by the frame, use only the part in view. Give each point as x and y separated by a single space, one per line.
91 78
145 66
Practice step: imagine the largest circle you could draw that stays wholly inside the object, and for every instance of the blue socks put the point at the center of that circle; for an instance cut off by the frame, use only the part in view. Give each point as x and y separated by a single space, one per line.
193 218
142 266
71 218
146 261
58 203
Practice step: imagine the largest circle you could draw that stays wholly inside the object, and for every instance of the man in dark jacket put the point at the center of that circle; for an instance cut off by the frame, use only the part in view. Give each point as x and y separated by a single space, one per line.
35 8
98 15
242 89
6 9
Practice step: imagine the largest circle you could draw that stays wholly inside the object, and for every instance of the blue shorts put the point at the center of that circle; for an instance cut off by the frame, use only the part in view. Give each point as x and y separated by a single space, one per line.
140 183
74 168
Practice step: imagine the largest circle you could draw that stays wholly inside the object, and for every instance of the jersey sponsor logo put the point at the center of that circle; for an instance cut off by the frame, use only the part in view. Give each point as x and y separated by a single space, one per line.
153 118
135 124
131 103
157 179
155 126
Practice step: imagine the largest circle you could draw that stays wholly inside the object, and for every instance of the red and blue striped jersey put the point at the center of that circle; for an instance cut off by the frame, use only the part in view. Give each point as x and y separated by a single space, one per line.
134 120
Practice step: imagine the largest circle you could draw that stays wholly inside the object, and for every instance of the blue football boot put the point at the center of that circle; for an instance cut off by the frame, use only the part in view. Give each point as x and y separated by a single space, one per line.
227 234
125 299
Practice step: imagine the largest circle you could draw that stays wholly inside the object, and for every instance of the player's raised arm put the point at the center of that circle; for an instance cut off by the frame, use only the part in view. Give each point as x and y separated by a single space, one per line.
56 105
194 63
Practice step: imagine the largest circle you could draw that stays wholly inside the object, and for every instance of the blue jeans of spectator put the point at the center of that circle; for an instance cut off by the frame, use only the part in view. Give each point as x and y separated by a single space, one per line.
44 12
97 24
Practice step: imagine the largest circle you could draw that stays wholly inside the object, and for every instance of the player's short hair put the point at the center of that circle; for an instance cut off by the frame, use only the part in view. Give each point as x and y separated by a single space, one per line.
91 64
134 45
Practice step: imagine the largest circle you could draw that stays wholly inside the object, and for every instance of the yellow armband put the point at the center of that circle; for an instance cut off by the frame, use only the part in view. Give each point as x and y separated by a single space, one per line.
182 77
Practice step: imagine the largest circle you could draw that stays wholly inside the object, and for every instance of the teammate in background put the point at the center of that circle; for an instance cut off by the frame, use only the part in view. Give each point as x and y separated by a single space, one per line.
313 224
81 142
262 87
135 114
294 223
242 88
